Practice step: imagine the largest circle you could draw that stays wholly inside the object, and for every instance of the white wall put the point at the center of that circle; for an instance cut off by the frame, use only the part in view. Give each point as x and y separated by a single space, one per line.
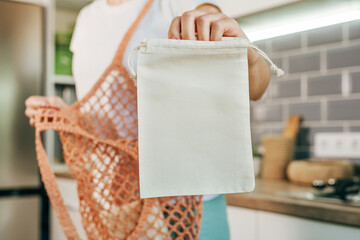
64 19
233 8
237 8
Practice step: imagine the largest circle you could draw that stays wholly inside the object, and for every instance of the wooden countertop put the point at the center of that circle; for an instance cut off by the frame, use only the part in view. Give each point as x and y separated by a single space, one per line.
63 174
271 195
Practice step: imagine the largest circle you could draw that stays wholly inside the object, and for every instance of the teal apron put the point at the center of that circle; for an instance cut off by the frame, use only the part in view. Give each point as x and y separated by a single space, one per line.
214 224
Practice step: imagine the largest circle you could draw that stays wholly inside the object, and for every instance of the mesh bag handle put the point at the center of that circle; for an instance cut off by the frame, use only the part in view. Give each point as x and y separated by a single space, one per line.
48 119
49 179
51 119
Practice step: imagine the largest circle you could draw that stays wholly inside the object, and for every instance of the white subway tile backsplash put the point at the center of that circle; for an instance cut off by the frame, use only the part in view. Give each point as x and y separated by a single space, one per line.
267 112
324 85
355 129
282 89
344 110
324 35
308 111
355 82
278 62
304 62
343 56
292 41
257 133
354 29
306 134
321 83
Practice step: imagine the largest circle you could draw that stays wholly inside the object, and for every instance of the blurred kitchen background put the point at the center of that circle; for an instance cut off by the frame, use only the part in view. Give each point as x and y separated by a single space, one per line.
305 130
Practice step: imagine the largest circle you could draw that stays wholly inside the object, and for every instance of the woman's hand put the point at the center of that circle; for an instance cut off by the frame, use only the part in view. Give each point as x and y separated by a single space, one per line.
207 23
33 103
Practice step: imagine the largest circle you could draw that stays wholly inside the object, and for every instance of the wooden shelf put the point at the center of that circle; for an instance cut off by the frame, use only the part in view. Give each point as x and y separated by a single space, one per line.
63 80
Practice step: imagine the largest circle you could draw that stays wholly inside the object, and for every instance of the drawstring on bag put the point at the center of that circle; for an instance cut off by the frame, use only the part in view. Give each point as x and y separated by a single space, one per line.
131 59
279 72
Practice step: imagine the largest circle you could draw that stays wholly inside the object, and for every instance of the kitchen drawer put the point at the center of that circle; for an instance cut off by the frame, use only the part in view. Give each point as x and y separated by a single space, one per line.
283 227
252 224
68 189
242 223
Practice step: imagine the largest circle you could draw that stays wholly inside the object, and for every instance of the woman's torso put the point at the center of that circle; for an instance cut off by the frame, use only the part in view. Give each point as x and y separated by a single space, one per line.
100 29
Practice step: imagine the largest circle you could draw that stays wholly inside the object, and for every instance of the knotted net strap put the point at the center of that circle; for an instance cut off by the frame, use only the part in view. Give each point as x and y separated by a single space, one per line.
99 139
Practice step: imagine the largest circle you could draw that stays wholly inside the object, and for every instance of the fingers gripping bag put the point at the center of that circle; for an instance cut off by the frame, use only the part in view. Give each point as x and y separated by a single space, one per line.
194 116
99 139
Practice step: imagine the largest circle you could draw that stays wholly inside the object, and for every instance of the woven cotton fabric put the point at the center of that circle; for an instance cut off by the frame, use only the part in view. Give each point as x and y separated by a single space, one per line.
99 137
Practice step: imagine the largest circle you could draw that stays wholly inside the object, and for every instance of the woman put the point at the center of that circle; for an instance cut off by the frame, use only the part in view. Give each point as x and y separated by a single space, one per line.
101 26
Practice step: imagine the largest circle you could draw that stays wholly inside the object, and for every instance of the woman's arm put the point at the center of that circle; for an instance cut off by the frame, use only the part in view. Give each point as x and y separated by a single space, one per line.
33 103
212 25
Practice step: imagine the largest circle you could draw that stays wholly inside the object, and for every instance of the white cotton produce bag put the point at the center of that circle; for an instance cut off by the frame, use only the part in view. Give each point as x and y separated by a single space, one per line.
194 117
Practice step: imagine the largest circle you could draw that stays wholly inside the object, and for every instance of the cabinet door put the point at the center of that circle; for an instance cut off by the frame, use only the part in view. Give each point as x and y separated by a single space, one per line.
68 190
20 218
282 227
242 223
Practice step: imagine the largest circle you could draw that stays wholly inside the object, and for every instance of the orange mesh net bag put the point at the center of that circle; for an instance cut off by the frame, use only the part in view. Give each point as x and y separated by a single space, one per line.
99 138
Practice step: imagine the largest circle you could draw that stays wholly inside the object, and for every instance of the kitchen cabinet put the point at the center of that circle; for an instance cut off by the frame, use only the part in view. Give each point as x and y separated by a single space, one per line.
260 225
281 227
20 218
63 16
238 8
242 223
23 33
68 190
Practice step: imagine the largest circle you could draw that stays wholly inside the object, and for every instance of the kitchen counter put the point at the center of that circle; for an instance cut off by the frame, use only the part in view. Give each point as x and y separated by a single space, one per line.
273 196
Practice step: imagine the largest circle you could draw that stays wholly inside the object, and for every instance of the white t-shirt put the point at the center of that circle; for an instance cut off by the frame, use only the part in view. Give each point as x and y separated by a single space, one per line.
100 28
